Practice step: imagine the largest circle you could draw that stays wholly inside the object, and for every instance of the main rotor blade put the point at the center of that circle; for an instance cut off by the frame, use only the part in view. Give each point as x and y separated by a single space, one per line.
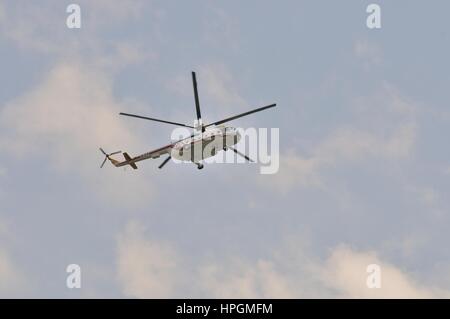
243 155
197 102
241 115
165 162
153 119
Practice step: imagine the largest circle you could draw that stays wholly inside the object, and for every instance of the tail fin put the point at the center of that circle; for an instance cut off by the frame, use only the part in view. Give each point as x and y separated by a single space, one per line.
128 158
113 161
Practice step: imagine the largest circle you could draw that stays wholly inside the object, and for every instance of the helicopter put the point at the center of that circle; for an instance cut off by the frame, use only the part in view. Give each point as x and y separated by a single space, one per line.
213 136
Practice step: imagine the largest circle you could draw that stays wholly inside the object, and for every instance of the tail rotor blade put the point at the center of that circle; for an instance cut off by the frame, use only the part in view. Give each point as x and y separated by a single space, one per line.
101 166
165 162
243 155
118 152
101 150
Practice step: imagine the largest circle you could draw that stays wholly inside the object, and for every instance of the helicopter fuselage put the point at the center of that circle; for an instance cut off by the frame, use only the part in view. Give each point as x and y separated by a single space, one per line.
205 144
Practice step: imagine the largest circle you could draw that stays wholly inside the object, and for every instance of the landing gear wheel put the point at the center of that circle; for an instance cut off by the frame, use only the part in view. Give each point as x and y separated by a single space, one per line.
199 166
225 149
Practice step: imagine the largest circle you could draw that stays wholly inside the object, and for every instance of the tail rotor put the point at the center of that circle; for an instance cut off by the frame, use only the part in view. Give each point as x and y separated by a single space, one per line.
107 156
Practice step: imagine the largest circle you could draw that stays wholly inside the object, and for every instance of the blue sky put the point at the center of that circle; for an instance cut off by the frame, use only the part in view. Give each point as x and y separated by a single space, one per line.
364 171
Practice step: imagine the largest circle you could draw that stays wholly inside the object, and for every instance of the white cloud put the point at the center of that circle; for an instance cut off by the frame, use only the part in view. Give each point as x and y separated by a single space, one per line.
343 146
220 86
384 127
147 268
151 269
300 275
295 171
346 272
12 280
241 280
107 12
29 25
118 55
65 119
354 144
33 27
73 110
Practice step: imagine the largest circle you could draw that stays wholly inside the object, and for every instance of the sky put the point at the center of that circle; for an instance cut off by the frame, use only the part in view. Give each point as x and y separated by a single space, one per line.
364 168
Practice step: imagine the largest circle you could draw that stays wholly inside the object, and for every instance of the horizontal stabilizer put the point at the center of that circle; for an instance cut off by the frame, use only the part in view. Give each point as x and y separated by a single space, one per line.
128 158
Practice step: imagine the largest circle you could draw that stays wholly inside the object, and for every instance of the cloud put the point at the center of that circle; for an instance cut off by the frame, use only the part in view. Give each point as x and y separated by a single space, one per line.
346 272
12 280
42 29
354 144
342 275
28 26
384 127
107 12
123 54
220 86
295 171
241 280
65 119
342 146
148 268
152 269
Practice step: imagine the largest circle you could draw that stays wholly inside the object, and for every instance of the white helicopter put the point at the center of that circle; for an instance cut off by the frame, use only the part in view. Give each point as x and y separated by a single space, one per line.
212 137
